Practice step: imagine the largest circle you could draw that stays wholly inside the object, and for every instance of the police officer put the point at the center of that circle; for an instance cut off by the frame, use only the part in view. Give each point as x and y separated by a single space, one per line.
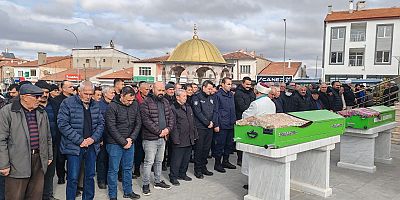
223 131
203 106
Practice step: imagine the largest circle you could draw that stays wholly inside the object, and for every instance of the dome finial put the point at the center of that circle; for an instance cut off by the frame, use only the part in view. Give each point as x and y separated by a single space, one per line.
195 32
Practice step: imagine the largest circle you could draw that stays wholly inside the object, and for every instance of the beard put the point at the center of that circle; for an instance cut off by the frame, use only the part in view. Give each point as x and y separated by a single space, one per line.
159 97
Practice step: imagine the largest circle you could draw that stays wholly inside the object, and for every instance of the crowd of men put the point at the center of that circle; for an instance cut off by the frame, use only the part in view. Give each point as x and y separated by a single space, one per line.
77 133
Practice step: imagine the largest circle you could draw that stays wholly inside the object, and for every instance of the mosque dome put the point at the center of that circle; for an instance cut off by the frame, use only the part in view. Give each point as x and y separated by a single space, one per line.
196 51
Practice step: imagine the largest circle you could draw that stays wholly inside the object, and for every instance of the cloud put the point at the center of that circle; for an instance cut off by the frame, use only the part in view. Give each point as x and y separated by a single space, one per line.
151 28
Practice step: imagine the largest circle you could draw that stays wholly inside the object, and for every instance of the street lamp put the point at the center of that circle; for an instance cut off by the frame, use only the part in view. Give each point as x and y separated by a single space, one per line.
75 46
284 54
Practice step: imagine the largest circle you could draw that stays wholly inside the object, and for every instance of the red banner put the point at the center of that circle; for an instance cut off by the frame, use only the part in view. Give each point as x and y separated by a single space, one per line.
72 77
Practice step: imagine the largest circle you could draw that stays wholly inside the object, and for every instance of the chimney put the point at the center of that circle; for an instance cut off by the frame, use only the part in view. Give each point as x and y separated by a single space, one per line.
329 9
361 5
290 63
351 6
253 53
42 58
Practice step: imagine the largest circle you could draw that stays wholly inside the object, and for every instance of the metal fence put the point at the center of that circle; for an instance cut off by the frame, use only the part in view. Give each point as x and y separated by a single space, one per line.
379 94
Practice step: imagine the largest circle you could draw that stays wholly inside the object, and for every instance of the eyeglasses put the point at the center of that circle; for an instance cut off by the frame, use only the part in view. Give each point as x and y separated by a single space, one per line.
36 96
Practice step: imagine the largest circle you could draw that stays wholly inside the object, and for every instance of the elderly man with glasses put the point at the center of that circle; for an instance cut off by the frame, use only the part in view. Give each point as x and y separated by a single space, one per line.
25 145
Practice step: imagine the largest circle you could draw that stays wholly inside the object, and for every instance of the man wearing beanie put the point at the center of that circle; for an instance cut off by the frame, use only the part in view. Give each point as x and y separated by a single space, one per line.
51 107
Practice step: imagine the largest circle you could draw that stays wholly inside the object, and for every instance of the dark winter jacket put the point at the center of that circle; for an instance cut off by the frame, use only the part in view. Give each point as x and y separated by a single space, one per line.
150 121
337 104
171 99
316 104
290 103
204 108
278 104
243 98
122 122
71 121
57 102
225 110
326 99
349 96
303 102
185 133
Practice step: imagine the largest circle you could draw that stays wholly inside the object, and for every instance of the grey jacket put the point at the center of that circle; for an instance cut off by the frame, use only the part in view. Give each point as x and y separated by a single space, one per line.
15 148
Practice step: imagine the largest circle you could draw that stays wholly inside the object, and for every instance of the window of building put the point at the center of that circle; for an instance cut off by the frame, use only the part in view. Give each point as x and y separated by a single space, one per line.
118 61
356 57
145 71
87 60
245 69
382 57
104 60
385 31
338 33
33 72
20 73
358 31
336 57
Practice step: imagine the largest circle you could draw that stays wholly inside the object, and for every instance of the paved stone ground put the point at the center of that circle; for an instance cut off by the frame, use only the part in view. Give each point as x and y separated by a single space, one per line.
346 185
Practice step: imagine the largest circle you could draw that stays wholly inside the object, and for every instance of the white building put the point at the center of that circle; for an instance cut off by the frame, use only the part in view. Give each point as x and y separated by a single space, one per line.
245 64
100 57
361 43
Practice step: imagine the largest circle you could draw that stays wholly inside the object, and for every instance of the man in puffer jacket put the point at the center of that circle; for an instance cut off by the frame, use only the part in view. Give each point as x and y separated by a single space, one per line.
123 123
81 125
158 121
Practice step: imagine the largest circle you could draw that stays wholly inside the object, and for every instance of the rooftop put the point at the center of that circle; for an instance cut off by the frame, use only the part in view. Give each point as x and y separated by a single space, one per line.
367 14
88 73
125 74
153 60
276 68
49 60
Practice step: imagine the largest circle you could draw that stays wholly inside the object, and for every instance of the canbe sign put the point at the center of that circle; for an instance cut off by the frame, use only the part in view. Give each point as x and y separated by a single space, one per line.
274 79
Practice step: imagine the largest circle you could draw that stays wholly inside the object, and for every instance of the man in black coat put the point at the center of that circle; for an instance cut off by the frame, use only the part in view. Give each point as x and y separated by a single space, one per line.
290 100
337 104
325 97
123 123
303 99
67 90
243 97
182 138
315 102
274 95
203 107
349 96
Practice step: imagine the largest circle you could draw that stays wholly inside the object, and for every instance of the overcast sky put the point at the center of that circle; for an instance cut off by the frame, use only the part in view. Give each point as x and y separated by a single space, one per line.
150 28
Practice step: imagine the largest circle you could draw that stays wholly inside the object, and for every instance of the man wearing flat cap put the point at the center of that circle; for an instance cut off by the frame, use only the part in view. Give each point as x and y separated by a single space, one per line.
25 145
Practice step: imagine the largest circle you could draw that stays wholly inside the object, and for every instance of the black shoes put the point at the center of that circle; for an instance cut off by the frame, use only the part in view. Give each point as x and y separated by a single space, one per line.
136 174
132 196
228 165
146 190
198 175
61 181
102 185
185 178
217 166
162 186
207 173
174 182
